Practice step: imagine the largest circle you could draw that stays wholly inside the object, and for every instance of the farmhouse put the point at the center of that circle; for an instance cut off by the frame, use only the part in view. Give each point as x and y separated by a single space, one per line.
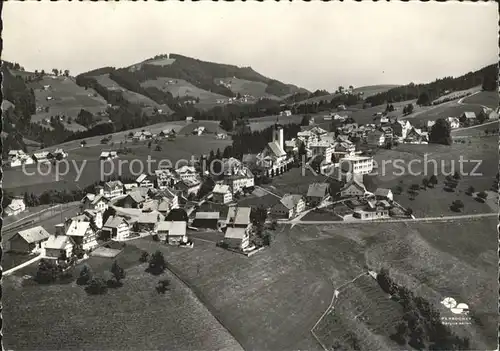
189 119
199 130
81 232
289 206
468 116
42 157
222 194
415 136
94 217
58 244
206 220
29 241
113 189
238 217
133 200
16 206
59 154
172 232
383 194
353 188
357 164
316 193
188 187
186 173
237 238
221 136
165 195
166 178
18 157
117 227
94 202
378 213
145 181
128 187
148 220
401 128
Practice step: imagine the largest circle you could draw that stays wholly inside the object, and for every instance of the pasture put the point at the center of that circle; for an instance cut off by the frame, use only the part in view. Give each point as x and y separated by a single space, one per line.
66 98
408 164
182 149
458 94
487 98
211 127
182 88
248 87
257 124
434 260
133 316
370 90
134 98
476 131
154 62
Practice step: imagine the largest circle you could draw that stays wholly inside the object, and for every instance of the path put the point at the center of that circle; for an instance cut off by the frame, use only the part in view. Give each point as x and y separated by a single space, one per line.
22 265
407 220
472 127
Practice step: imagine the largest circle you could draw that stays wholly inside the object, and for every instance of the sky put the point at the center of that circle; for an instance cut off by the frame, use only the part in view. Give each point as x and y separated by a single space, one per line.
315 45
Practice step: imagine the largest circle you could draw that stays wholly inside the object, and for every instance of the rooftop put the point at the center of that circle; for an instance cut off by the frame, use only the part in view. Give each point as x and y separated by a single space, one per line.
35 234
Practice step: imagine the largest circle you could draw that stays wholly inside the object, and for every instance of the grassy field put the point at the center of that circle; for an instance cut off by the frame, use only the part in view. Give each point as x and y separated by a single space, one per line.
182 88
436 202
257 124
211 127
248 87
476 131
435 260
370 90
183 148
133 316
457 94
486 98
157 62
132 97
67 99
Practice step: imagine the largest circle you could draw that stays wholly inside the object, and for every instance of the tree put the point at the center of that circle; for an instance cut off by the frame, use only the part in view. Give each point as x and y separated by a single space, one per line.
415 187
433 180
409 109
158 148
440 132
157 263
305 120
85 275
144 257
425 182
47 272
489 82
482 117
457 205
456 175
66 72
408 211
483 195
162 286
385 281
117 271
55 71
226 124
340 89
423 99
149 145
470 190
96 286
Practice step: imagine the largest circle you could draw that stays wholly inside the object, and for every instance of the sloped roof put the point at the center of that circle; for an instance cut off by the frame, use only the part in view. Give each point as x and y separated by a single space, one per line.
16 204
240 215
290 200
99 198
221 189
317 190
249 158
115 221
276 149
382 192
150 217
90 197
356 183
207 215
141 178
33 235
136 196
79 229
59 242
235 233
114 184
469 114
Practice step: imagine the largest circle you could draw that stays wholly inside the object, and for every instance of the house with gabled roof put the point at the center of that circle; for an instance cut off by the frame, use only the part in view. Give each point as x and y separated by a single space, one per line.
383 194
81 232
353 188
113 189
147 220
236 238
30 240
117 227
289 206
222 194
317 193
145 181
58 244
171 232
94 202
15 207
133 200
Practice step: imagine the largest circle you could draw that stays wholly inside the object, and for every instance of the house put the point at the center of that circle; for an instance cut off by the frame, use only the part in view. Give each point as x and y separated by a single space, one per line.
316 193
138 136
113 189
171 232
129 187
322 149
108 155
145 181
133 200
383 194
166 195
199 130
292 145
401 128
239 183
388 132
18 158
206 220
353 188
238 217
429 124
186 173
59 154
375 138
42 157
81 232
189 119
59 244
94 202
117 227
357 164
454 122
344 147
289 206
415 136
188 187
468 116
16 206
222 194
30 240
236 238
94 217
221 136
378 213
167 178
148 220
286 113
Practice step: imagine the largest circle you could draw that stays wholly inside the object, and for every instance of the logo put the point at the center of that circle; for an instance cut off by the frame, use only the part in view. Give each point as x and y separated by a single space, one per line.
454 307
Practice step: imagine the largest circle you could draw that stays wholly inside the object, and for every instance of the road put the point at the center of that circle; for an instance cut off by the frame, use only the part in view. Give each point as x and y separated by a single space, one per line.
406 220
24 264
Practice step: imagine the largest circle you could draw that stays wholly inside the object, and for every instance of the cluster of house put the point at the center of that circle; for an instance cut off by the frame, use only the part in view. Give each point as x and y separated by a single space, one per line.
18 158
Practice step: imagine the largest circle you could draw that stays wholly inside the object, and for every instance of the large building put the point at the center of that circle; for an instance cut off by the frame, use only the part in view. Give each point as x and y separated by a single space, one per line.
274 158
357 164
323 149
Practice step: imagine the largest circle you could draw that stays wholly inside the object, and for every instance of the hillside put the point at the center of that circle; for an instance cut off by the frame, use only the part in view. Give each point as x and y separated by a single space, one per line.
485 77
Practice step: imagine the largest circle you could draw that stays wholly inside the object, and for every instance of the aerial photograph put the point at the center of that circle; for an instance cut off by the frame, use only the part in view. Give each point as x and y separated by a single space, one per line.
258 176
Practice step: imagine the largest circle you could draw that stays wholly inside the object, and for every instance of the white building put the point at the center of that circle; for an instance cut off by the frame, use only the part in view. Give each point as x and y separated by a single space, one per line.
113 189
274 158
18 158
357 164
187 173
222 194
108 155
454 122
286 113
145 181
16 206
322 148
117 227
289 206
81 232
171 232
57 244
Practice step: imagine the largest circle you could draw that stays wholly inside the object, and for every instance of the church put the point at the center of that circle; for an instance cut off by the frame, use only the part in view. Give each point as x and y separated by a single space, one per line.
273 158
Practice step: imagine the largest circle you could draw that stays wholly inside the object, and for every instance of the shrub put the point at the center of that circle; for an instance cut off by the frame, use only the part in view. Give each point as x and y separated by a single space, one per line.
157 263
96 286
163 286
85 275
144 256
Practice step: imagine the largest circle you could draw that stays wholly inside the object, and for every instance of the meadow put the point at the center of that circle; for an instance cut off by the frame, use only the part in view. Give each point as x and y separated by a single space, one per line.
257 124
131 317
248 87
182 148
487 98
